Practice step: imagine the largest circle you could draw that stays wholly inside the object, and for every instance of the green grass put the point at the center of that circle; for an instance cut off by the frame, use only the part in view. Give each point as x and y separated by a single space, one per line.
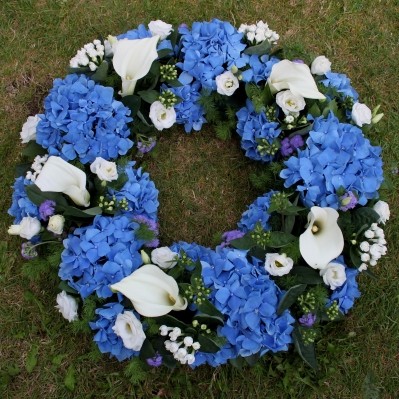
204 189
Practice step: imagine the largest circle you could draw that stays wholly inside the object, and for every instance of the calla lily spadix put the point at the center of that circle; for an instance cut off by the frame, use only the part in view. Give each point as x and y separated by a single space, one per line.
60 176
323 240
295 77
152 292
133 59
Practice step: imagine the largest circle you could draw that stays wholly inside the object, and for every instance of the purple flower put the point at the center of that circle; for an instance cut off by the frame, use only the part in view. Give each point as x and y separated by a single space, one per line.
145 147
155 361
298 61
348 201
28 250
307 320
152 225
296 141
229 236
288 145
46 209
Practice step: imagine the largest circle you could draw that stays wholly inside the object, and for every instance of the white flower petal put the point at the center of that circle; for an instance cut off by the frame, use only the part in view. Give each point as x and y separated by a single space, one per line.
319 247
60 176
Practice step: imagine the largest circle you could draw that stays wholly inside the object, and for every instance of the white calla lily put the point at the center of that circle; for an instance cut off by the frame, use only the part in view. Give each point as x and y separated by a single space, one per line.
153 293
60 176
323 240
133 59
295 77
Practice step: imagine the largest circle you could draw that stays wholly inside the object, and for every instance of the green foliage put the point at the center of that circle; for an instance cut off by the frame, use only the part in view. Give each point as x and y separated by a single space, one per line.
70 380
290 297
135 371
306 351
31 360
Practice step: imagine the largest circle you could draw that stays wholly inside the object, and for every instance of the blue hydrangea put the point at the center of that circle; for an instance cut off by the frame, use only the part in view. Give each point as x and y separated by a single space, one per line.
341 83
82 120
337 156
348 292
188 112
139 191
256 213
105 337
21 205
100 254
210 48
248 298
253 127
140 32
259 68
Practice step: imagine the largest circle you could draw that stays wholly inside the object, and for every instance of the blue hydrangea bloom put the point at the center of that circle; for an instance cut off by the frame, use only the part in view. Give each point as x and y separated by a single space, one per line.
252 127
248 299
256 213
348 292
210 48
140 32
341 83
101 254
21 205
105 338
337 156
82 120
259 69
188 112
139 191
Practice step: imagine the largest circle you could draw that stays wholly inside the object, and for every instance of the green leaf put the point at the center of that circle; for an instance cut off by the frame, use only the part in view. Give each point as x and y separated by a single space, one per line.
355 256
258 252
238 362
331 106
147 350
171 321
149 96
364 216
80 213
63 286
101 72
260 49
290 297
288 225
314 110
210 345
133 102
307 352
245 242
164 52
306 275
252 360
32 149
37 196
208 308
280 239
197 272
31 359
69 380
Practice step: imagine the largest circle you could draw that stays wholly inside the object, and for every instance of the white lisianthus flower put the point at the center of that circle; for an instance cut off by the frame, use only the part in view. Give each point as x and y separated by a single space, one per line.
28 131
278 265
290 103
160 28
28 228
67 306
162 117
323 240
56 224
133 59
295 77
105 170
382 208
129 328
60 176
164 257
361 114
320 65
333 275
227 83
152 292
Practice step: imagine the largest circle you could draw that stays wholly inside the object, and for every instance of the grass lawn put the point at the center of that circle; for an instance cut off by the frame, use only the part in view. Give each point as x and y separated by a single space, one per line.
204 188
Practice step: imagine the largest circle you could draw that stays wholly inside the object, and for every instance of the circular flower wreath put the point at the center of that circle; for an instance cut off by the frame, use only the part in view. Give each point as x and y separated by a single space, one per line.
291 265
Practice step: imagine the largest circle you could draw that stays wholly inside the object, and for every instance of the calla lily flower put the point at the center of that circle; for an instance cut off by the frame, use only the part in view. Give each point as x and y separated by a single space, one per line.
60 176
152 292
295 77
133 59
323 240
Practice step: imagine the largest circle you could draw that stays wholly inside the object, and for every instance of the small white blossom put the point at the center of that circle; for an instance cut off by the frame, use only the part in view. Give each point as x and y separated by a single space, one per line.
162 117
365 257
196 345
105 170
188 341
91 54
290 103
334 275
320 65
129 328
365 246
227 83
164 257
56 224
67 306
27 228
160 28
28 131
278 264
361 114
369 234
382 208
